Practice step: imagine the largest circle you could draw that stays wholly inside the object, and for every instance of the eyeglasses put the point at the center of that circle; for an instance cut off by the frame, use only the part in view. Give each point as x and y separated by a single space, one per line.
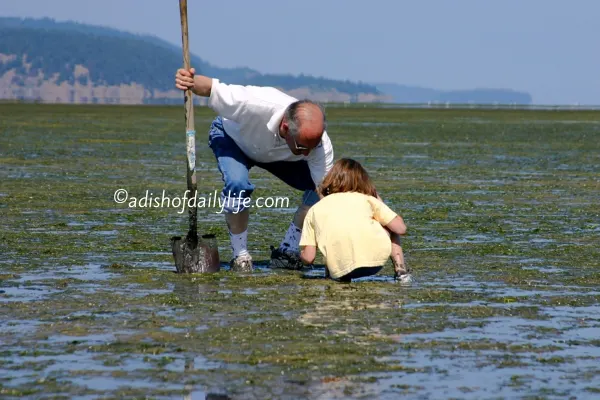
299 148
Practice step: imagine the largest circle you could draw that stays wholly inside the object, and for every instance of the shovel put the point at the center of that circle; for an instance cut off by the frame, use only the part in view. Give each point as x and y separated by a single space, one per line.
193 254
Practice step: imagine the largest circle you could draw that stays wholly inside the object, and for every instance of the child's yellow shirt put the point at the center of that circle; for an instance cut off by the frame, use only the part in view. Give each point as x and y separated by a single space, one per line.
348 230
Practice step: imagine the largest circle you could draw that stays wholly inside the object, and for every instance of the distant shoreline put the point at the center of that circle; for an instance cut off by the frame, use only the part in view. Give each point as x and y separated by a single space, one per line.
437 106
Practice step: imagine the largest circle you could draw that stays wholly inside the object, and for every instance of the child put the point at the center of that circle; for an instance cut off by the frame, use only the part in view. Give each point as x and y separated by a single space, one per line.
351 226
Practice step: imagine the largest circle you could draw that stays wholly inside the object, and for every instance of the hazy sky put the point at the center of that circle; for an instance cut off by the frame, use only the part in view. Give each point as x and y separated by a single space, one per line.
550 48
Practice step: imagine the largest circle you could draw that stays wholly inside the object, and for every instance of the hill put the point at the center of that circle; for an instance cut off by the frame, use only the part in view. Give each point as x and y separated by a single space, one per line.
415 94
68 62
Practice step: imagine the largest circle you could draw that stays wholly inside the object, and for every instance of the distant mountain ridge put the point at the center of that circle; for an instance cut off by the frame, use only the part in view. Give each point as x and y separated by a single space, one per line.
416 94
69 62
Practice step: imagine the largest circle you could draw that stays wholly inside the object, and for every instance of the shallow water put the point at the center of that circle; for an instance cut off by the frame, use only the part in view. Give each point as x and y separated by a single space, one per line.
504 227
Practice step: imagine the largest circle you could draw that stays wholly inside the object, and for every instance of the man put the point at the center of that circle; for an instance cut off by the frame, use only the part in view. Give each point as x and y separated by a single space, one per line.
264 127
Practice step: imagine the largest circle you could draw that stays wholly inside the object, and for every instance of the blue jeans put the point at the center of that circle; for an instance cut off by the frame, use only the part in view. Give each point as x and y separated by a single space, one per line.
235 166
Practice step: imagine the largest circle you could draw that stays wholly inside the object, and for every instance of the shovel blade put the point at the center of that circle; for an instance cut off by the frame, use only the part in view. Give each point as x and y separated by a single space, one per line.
193 257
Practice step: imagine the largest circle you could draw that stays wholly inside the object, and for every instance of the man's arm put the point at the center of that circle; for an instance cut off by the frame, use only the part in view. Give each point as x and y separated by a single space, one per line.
229 101
199 84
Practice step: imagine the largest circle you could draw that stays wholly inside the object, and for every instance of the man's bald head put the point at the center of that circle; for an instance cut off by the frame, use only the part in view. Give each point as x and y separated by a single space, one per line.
306 122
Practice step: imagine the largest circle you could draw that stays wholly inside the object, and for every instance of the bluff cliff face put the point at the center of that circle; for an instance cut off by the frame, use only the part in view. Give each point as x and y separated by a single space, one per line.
47 61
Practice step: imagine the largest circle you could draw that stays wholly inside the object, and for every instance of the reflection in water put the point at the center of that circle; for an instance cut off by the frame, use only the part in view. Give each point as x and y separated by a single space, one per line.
194 394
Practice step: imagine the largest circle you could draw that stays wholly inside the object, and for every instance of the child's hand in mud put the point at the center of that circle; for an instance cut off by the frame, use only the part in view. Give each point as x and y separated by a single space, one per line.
402 273
403 278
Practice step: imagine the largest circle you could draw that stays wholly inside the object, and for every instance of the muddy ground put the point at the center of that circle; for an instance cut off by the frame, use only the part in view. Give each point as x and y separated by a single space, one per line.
503 214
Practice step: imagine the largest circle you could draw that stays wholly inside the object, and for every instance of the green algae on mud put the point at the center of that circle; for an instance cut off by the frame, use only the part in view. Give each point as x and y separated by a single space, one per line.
503 220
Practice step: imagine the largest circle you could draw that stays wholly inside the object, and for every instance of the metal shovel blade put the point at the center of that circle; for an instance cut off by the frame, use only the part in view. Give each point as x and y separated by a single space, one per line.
194 258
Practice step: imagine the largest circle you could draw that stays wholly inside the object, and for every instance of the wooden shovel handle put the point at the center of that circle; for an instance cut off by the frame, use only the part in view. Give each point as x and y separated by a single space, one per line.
189 124
189 106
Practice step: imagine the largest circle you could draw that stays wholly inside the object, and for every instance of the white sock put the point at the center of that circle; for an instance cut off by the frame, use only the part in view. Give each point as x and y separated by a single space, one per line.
291 241
239 243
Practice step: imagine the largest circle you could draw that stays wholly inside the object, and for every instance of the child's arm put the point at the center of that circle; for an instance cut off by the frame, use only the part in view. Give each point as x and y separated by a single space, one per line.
308 240
394 225
308 254
397 225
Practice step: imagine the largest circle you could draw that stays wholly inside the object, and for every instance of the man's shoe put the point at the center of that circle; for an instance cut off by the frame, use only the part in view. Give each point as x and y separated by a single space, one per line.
285 259
242 263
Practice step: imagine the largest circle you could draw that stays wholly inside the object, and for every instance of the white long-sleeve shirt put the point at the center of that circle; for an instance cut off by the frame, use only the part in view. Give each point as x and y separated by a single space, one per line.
251 117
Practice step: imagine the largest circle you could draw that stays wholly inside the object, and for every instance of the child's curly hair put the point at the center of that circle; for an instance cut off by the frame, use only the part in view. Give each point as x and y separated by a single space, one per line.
347 175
